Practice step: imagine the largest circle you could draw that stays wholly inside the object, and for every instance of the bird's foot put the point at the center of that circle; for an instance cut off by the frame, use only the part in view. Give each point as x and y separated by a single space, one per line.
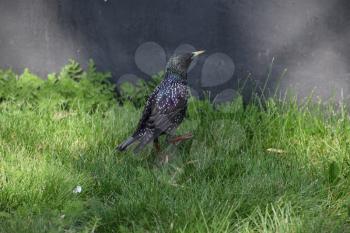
181 138
163 159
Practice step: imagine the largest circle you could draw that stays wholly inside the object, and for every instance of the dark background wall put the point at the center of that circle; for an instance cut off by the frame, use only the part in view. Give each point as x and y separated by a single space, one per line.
311 38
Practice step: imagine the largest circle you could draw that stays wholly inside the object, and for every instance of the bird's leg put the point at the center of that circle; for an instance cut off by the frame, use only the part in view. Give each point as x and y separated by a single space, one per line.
156 145
181 138
163 159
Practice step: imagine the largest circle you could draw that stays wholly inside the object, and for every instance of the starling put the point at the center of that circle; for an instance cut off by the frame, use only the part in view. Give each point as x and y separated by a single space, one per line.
166 107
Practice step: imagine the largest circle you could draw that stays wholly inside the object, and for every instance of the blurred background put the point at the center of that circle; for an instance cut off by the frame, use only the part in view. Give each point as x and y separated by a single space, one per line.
133 39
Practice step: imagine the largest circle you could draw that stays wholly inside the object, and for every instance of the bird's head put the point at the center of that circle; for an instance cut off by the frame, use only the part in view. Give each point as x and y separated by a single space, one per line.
181 62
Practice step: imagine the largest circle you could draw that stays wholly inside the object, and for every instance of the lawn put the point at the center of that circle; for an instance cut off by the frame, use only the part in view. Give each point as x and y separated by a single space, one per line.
276 165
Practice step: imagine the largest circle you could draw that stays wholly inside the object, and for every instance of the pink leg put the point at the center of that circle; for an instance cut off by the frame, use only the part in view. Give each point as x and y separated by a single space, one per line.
156 145
181 138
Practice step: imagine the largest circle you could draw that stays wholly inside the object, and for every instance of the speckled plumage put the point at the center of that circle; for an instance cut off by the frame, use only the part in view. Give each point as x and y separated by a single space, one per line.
166 107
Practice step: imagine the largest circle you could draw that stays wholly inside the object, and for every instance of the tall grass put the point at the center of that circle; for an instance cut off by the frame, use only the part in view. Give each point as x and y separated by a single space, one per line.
278 167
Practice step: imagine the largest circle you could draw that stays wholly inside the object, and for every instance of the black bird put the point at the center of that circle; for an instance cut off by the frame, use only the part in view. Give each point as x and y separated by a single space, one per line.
166 107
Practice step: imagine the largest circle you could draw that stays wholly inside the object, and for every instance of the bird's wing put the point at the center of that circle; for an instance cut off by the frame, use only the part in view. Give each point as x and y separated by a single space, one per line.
147 111
165 114
166 111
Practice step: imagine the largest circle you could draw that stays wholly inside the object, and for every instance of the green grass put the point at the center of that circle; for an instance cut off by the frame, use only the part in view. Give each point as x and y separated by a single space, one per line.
283 167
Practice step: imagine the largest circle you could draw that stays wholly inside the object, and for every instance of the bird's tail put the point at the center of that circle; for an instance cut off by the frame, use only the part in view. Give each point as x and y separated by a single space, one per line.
144 140
126 144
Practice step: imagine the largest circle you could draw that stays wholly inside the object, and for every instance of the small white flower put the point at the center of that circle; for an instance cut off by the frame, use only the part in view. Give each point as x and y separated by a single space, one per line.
77 189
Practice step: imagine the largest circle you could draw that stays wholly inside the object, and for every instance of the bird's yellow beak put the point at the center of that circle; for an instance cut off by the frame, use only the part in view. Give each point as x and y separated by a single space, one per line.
195 54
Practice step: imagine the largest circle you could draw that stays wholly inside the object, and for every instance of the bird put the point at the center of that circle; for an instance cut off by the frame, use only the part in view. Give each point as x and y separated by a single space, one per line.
166 106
